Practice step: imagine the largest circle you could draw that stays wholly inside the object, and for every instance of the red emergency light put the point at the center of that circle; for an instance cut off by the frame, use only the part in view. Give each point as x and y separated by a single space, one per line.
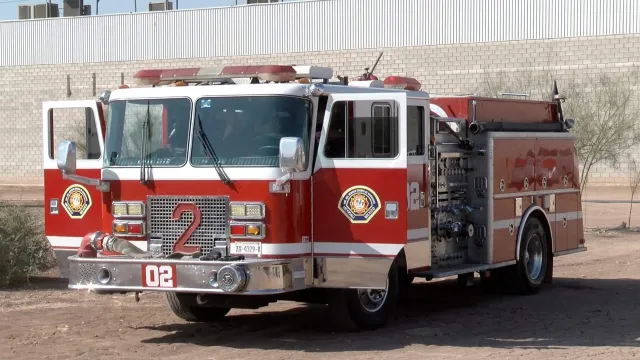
401 82
280 73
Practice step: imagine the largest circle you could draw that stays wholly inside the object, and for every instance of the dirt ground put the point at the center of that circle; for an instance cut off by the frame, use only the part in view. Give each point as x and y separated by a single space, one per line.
590 311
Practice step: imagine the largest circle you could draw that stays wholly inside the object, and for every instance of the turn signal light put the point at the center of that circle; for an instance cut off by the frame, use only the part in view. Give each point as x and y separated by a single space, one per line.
120 228
253 230
131 228
247 230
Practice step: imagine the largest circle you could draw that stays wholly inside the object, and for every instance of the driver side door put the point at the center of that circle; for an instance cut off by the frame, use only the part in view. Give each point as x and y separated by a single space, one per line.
71 209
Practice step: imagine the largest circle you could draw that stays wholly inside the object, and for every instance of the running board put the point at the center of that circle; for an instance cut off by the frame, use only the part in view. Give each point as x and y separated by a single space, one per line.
458 269
569 252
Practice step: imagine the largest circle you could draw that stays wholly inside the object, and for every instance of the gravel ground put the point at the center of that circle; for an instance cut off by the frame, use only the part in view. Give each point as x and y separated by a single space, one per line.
590 311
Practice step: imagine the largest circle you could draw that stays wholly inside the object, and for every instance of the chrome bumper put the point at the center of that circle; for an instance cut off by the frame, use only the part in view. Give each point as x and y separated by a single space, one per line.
124 274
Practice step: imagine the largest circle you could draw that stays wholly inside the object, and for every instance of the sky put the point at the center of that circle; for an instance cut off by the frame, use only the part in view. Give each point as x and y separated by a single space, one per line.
9 8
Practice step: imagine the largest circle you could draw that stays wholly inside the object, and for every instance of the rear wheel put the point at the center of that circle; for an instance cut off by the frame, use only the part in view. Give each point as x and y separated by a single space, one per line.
186 307
366 309
528 274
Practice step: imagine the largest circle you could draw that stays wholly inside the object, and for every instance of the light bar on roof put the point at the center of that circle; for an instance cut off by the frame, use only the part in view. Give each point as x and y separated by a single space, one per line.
401 82
313 72
367 83
281 73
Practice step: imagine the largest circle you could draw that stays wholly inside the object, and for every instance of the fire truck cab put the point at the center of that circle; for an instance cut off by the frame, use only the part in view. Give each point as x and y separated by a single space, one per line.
236 187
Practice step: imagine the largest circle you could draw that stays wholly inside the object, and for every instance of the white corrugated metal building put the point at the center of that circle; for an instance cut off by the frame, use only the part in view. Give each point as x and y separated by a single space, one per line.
449 45
303 26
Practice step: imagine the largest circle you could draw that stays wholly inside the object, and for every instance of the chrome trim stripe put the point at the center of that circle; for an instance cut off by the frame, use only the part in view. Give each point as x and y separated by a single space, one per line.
504 224
185 290
535 193
490 204
420 233
533 135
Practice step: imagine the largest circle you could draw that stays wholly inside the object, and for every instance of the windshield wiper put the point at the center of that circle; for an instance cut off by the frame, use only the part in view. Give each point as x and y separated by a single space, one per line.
146 134
208 149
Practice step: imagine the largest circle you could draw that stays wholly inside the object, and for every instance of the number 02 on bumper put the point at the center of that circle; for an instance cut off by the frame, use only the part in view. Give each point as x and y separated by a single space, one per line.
159 276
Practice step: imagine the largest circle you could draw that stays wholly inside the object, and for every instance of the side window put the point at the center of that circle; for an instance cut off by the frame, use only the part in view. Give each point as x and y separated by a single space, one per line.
334 147
362 130
382 131
415 130
78 125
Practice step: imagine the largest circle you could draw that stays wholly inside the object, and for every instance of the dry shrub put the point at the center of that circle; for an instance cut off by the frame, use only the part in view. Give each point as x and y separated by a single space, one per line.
24 250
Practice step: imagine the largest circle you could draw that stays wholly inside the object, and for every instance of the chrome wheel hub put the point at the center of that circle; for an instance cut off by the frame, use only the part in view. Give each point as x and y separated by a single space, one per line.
372 300
533 257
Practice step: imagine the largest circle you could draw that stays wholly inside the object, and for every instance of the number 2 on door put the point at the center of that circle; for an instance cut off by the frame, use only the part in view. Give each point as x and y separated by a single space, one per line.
162 276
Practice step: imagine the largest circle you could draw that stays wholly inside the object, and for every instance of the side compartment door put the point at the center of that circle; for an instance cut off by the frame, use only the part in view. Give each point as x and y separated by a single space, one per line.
72 209
359 189
418 249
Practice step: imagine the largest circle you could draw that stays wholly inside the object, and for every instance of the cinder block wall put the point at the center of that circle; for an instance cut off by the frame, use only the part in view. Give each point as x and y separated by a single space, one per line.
446 69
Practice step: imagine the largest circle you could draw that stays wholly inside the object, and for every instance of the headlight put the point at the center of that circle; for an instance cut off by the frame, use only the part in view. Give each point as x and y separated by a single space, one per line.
254 211
247 210
237 210
127 209
119 209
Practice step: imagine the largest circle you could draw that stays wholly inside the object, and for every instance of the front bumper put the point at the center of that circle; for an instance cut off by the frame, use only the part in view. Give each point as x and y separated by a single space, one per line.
126 274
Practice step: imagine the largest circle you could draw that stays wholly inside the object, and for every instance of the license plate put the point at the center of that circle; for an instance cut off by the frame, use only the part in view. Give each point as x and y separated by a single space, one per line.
251 248
159 276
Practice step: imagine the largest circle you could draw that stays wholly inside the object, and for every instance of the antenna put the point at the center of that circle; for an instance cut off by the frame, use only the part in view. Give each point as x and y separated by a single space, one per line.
368 75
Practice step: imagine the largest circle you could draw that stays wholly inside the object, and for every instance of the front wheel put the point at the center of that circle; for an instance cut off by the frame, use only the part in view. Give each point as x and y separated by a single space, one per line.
187 308
367 309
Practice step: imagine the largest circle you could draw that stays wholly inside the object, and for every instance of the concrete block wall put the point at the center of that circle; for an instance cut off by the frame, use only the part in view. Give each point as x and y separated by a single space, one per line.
447 69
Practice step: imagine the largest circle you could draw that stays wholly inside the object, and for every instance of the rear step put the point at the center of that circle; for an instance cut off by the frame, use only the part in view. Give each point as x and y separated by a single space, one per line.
458 269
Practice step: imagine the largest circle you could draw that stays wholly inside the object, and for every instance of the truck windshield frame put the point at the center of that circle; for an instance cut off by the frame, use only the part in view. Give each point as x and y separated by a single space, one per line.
170 125
245 130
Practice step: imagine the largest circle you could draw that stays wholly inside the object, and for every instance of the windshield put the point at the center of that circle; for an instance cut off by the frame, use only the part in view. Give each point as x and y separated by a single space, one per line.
246 131
167 131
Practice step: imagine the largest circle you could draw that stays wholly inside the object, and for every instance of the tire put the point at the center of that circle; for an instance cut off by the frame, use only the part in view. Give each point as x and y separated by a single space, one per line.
350 313
404 280
528 274
185 307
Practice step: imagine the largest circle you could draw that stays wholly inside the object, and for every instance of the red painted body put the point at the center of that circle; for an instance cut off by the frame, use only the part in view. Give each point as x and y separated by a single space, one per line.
287 217
495 110
331 225
61 224
541 159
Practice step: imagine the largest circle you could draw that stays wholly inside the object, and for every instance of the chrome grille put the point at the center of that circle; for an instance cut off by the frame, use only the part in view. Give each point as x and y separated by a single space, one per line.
209 234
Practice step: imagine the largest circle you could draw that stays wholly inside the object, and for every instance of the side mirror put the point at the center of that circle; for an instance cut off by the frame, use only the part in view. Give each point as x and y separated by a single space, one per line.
570 123
66 157
292 155
104 97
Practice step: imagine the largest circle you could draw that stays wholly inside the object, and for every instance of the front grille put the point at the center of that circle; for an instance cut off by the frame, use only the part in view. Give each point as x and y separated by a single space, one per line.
209 234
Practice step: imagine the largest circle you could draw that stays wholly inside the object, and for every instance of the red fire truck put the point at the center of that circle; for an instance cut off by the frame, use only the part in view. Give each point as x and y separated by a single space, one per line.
237 187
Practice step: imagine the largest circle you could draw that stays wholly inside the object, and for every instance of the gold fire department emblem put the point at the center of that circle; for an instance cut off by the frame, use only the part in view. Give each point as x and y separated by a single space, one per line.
76 201
359 204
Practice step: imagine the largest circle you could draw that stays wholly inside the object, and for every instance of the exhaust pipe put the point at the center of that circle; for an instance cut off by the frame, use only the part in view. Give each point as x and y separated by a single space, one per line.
124 247
475 127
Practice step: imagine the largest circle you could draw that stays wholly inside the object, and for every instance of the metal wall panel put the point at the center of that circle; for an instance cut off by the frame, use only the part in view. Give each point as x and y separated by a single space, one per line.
306 26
